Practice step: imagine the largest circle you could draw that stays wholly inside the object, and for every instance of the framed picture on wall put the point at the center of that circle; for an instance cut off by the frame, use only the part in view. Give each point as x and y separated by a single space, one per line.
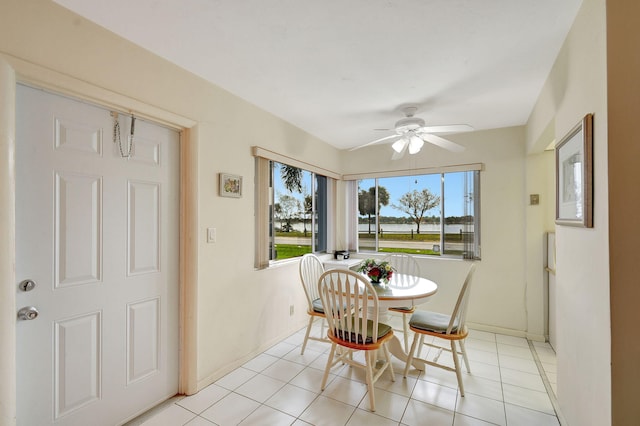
574 176
230 185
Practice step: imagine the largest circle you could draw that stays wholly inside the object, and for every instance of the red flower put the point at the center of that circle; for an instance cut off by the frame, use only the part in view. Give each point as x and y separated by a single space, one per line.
373 273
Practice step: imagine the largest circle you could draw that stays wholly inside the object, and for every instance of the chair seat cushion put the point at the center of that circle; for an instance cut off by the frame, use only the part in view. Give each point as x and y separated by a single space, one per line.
383 330
317 306
432 321
405 309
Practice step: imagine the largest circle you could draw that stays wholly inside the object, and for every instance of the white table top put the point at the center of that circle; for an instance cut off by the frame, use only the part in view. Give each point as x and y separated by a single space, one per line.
405 290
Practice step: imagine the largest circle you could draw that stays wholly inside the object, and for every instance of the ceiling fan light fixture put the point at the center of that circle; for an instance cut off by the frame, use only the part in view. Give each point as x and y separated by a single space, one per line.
415 144
398 145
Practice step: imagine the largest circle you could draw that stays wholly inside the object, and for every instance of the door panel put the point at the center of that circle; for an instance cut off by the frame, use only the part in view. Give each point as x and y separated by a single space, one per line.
143 237
143 327
77 225
77 362
98 233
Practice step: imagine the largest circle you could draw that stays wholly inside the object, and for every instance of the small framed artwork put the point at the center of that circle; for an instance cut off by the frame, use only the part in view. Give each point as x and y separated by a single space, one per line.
574 176
230 185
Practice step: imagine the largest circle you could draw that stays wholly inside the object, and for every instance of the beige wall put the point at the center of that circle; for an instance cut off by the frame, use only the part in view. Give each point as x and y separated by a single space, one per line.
623 39
577 86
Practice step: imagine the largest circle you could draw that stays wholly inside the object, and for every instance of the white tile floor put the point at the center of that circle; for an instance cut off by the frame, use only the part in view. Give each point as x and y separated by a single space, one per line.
281 387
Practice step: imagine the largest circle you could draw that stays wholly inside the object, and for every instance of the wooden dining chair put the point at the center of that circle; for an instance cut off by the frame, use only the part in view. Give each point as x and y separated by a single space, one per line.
310 269
404 264
351 306
448 327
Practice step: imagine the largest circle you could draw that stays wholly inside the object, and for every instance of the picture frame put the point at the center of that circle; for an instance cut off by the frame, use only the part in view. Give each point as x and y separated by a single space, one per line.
230 185
574 176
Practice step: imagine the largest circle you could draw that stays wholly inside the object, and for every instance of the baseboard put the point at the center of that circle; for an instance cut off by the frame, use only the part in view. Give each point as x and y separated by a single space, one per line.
507 331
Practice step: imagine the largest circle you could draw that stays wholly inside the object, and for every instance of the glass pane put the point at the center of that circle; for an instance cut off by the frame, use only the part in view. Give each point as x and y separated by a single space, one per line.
366 215
291 211
410 214
458 209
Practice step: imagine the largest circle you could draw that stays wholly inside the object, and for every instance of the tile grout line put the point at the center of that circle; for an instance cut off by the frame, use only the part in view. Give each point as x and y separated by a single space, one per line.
547 383
504 404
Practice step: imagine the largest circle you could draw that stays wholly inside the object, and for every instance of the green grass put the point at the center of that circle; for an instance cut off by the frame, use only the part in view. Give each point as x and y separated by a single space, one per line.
452 238
408 250
287 251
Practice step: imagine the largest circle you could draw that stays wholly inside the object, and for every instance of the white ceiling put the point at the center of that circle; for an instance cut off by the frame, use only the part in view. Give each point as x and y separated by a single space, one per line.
340 69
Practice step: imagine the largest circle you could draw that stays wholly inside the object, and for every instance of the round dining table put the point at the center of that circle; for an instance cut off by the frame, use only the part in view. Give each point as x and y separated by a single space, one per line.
406 291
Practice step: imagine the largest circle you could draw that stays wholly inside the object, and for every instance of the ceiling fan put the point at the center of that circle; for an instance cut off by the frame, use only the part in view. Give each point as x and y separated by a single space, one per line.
411 133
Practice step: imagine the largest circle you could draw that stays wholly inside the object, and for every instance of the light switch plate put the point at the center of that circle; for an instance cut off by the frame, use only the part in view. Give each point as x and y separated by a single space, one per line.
211 235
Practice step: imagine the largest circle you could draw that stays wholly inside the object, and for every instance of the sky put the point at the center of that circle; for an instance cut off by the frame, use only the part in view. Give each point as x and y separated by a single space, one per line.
396 187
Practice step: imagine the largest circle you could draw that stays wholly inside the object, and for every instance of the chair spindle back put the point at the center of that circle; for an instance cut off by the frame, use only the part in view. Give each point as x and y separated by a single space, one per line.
351 306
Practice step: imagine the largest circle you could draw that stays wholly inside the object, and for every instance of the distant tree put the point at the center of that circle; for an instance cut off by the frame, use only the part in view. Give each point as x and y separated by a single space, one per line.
307 210
289 207
291 178
367 202
416 204
277 213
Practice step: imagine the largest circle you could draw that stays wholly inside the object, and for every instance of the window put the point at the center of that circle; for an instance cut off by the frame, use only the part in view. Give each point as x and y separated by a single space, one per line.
298 211
430 214
295 207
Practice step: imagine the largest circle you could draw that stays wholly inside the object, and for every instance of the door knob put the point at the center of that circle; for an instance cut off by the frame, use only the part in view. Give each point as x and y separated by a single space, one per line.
28 313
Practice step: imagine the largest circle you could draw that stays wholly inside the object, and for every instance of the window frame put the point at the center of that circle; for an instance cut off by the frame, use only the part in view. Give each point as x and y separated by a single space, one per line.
475 250
265 200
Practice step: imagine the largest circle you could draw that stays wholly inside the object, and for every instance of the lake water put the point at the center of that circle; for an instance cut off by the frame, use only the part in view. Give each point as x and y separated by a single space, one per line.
402 228
406 228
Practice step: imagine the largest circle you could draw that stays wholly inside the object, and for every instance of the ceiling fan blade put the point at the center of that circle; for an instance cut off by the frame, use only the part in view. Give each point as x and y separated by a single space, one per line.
399 145
442 142
415 144
375 142
450 128
399 154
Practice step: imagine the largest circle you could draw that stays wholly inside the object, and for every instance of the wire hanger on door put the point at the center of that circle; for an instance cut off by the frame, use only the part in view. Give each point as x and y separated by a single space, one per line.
118 140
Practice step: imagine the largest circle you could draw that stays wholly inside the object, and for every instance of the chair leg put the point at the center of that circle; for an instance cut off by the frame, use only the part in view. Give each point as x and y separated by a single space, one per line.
328 367
405 329
420 346
464 355
410 354
306 335
456 361
322 322
370 360
389 363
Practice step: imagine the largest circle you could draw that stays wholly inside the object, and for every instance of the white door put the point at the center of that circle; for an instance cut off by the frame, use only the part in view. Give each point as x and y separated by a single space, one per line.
98 235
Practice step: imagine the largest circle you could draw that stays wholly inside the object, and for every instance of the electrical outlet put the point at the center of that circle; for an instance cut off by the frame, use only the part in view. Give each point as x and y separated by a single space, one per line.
290 310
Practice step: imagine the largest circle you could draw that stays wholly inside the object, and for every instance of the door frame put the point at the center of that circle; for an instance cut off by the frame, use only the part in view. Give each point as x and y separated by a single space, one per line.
14 71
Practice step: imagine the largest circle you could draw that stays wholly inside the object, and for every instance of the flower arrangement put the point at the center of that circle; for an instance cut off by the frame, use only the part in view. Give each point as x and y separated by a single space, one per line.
376 271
